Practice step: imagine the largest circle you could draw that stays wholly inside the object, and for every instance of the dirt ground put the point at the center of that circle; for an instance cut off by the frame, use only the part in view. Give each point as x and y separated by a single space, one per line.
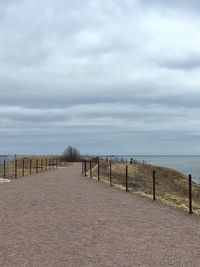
61 218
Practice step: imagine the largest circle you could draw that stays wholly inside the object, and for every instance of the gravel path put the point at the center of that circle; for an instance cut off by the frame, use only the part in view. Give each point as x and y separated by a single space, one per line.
60 218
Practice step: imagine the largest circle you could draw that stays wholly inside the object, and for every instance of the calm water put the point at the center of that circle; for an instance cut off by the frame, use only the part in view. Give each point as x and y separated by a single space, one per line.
7 157
185 164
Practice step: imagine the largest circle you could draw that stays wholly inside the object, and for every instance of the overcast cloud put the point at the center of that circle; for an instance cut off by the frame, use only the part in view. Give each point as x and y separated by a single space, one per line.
106 76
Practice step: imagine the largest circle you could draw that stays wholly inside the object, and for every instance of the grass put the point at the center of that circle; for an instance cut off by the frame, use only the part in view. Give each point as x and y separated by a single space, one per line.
171 185
24 164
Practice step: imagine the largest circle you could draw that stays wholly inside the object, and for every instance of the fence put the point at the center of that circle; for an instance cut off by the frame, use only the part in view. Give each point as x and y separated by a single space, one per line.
158 183
13 168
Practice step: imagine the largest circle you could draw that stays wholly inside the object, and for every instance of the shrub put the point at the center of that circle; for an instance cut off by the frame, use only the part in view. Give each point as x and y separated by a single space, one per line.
71 154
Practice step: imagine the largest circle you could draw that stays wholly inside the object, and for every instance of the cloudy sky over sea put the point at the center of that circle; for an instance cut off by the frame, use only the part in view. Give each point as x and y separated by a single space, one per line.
106 76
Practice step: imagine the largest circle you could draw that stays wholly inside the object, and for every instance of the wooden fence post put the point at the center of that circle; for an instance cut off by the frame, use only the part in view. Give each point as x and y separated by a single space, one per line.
90 169
36 166
154 185
98 171
23 167
110 173
16 168
4 168
126 178
190 193
82 166
85 168
30 166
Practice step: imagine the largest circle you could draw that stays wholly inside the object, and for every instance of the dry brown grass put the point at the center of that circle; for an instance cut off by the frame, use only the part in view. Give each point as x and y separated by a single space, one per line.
171 185
42 162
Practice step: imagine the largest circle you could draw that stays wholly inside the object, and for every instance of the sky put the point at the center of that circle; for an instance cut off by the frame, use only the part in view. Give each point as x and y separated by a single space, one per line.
105 76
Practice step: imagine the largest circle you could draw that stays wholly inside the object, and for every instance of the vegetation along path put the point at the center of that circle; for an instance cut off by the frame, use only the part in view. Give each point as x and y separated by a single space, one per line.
61 218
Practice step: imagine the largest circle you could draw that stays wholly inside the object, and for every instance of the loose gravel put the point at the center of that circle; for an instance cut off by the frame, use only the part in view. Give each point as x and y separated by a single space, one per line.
61 218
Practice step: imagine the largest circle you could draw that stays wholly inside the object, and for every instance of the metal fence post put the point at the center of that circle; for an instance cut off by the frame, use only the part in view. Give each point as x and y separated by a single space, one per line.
110 173
42 164
46 164
4 168
190 193
126 178
154 185
53 163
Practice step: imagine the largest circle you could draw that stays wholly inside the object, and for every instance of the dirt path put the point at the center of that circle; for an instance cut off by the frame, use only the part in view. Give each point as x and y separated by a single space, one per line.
60 218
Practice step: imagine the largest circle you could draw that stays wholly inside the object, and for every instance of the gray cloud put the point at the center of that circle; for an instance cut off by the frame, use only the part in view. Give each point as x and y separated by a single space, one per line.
106 76
192 5
188 63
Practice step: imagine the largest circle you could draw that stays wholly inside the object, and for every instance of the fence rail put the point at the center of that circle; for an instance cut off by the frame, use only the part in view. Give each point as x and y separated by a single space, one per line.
155 182
18 167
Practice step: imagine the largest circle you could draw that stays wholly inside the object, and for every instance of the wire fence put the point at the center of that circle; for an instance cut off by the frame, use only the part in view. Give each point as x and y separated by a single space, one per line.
158 183
17 167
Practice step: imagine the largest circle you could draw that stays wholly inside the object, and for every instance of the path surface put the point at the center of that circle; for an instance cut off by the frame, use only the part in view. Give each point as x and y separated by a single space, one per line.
60 218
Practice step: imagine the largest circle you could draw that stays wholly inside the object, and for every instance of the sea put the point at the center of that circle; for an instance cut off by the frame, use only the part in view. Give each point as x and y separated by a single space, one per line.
184 164
7 157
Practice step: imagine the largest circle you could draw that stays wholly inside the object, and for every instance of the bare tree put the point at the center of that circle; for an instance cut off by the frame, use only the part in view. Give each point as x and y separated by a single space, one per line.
71 154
